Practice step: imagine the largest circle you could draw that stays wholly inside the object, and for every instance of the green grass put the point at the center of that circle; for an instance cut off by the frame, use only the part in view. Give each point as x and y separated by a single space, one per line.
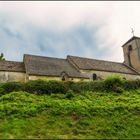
85 115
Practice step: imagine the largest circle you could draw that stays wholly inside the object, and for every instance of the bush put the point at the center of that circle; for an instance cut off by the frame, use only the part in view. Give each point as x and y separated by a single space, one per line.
113 83
1 91
37 86
69 94
43 87
87 86
11 86
56 87
69 84
132 84
118 89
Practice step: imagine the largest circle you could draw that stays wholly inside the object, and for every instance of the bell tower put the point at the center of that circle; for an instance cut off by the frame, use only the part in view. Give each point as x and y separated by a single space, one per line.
131 51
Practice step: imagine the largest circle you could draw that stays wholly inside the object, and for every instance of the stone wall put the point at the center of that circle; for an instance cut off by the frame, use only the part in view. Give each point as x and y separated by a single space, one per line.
19 76
134 54
11 76
103 74
34 77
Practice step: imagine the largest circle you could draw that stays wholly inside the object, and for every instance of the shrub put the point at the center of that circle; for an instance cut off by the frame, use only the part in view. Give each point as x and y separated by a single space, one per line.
86 86
56 87
69 94
97 85
11 86
37 86
132 84
44 87
1 91
69 84
113 83
118 89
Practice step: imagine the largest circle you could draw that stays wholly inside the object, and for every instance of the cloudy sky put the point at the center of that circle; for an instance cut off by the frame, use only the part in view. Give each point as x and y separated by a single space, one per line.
57 29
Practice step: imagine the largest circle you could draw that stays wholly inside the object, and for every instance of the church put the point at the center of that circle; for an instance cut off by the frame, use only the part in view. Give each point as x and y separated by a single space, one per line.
73 68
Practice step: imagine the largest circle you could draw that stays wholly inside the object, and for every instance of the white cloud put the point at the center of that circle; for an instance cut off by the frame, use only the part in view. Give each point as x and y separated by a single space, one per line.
62 14
110 22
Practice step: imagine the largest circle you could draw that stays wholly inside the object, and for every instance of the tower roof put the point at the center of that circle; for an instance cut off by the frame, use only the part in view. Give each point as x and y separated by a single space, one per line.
131 39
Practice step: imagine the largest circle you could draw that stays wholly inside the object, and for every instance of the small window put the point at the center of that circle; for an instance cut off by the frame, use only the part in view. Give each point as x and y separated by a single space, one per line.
64 76
130 48
94 76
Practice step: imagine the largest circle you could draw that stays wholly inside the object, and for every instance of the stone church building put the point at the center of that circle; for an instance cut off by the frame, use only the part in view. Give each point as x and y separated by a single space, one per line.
73 67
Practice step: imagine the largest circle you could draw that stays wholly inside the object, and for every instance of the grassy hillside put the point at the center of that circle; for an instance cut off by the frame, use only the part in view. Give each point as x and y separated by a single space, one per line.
79 115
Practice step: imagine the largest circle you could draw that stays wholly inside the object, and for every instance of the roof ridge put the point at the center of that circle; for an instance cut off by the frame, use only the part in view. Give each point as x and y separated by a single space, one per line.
94 59
44 56
73 65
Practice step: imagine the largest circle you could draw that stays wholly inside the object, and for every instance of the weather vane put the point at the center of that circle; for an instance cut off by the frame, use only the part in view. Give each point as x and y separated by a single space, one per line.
132 31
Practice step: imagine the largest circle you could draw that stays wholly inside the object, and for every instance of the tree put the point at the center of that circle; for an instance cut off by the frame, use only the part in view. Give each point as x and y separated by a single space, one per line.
2 57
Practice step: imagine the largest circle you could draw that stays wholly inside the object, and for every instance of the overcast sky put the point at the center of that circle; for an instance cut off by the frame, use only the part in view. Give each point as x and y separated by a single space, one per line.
57 29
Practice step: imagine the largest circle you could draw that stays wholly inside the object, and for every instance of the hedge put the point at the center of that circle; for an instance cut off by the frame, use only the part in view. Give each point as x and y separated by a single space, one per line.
115 84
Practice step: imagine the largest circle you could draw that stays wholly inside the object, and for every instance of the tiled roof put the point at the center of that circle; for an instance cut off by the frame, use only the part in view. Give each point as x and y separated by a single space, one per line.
12 66
50 66
100 65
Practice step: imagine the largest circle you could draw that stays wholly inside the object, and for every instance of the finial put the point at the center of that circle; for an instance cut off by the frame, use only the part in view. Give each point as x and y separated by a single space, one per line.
132 31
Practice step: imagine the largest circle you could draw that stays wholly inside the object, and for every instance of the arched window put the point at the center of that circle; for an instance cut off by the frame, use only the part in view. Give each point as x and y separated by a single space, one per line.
129 52
94 76
130 48
64 76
